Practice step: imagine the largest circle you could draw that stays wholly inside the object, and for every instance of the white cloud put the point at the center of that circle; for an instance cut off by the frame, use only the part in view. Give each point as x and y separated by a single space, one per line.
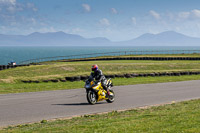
184 15
32 7
155 14
104 22
133 19
10 6
198 25
3 27
190 15
35 9
14 9
170 16
33 21
10 15
13 23
86 7
76 31
196 13
11 2
11 9
114 11
47 29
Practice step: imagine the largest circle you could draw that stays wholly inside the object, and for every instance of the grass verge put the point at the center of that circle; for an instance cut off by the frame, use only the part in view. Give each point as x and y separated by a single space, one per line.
176 117
11 79
34 87
58 70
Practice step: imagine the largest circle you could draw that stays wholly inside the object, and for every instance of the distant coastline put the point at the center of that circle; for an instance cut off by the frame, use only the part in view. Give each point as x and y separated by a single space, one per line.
18 54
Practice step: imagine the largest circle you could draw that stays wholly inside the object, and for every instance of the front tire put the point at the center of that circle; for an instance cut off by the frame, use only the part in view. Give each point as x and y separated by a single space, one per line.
91 97
111 98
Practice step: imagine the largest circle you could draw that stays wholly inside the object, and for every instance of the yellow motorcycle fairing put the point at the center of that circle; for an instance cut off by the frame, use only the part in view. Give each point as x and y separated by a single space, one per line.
101 92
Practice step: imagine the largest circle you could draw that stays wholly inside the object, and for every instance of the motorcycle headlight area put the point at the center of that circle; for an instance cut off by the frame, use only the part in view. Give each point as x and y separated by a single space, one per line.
87 86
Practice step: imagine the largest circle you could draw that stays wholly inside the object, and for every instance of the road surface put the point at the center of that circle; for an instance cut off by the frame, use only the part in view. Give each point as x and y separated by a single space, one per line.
34 107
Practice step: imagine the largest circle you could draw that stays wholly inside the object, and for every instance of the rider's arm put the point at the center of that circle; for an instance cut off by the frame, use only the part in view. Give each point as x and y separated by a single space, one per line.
91 77
99 76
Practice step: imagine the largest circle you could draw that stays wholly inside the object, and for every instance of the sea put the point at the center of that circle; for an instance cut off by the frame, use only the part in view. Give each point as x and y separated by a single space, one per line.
22 53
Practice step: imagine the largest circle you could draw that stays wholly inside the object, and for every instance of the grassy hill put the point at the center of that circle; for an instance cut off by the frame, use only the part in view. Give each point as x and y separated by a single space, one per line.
11 79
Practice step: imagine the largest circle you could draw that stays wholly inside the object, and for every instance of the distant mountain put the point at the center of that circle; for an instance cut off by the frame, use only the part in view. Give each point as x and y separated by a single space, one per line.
168 38
51 39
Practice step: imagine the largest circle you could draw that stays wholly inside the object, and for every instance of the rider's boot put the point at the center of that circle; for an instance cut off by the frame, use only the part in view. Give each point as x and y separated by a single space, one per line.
108 92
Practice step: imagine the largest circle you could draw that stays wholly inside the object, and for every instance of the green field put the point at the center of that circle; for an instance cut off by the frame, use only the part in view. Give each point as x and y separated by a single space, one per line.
34 87
56 70
183 117
11 79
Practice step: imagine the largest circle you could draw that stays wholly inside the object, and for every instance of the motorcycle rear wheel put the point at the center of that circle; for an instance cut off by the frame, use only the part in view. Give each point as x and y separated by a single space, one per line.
91 97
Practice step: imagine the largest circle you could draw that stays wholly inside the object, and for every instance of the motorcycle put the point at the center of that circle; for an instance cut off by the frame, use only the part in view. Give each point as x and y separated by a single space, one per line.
95 92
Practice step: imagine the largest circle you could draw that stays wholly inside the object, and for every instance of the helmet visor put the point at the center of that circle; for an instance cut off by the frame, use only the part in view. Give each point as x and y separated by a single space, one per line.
94 69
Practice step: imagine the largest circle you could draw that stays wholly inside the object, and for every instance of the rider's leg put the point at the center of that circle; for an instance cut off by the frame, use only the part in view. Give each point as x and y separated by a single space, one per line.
105 86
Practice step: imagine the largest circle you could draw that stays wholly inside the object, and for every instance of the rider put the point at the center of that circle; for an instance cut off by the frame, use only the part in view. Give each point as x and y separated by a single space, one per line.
99 77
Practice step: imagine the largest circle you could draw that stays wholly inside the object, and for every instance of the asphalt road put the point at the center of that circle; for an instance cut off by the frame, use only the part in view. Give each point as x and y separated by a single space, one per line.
33 107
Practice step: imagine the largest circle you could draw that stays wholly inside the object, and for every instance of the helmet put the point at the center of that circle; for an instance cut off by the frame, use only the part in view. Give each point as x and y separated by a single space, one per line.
94 67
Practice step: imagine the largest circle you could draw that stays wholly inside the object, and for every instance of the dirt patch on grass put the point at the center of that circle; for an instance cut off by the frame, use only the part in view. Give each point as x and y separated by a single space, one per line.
8 80
67 68
47 77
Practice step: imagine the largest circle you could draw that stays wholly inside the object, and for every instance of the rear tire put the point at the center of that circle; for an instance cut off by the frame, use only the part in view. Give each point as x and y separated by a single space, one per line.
91 97
111 98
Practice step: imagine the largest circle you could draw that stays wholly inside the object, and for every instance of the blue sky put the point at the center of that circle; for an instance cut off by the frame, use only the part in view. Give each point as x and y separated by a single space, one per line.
114 19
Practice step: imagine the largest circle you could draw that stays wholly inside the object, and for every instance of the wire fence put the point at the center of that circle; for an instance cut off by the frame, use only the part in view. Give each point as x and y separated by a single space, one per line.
119 53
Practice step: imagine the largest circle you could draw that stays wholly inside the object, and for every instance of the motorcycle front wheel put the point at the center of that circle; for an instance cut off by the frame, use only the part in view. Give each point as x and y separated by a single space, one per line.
111 98
91 97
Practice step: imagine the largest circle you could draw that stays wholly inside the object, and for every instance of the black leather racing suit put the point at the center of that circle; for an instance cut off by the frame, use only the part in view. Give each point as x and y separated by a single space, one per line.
99 77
